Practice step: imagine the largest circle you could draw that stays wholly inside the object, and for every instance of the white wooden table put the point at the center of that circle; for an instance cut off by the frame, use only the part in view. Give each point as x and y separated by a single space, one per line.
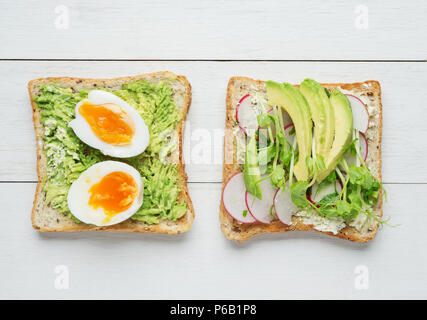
210 41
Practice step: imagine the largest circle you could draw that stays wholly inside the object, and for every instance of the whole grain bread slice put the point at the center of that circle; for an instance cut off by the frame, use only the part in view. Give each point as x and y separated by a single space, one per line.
45 218
240 86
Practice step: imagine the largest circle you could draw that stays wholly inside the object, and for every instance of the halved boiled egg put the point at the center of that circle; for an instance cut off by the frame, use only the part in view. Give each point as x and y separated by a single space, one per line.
108 123
107 193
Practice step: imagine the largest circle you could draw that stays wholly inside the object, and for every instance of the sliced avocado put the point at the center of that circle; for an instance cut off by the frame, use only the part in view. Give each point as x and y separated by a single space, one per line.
294 103
251 171
343 131
322 114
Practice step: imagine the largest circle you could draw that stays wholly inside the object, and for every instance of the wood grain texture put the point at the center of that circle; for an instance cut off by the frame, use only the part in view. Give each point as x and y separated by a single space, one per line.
300 264
292 265
403 98
207 29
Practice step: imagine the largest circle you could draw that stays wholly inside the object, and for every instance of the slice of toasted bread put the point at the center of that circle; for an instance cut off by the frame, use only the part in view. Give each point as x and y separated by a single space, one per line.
370 91
45 218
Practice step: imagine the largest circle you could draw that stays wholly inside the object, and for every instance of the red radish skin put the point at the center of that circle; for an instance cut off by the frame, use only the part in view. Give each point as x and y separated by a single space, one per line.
366 145
238 105
286 118
260 209
289 126
235 207
290 138
309 198
360 113
238 109
237 112
339 188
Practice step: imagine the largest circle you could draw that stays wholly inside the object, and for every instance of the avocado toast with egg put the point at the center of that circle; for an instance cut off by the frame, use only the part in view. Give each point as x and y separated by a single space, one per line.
162 100
271 128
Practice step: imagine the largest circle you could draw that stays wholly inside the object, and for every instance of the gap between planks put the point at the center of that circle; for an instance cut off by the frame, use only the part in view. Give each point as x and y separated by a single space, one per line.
216 60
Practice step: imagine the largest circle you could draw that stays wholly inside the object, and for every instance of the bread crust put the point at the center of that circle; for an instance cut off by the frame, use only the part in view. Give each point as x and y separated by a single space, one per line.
234 230
46 219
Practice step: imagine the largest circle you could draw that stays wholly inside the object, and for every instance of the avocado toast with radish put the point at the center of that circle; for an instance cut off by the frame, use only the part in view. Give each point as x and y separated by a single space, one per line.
304 157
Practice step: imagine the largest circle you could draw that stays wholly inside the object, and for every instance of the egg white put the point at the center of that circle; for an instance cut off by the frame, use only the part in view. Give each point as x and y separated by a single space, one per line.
82 129
78 195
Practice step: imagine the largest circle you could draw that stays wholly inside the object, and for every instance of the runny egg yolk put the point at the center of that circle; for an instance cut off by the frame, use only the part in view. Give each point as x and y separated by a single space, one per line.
108 122
115 193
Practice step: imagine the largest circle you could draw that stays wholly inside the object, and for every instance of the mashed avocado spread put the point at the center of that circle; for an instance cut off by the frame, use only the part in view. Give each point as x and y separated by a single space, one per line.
67 156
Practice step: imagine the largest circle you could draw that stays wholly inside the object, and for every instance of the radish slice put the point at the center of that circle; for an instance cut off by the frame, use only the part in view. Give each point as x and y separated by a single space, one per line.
289 137
246 116
315 196
286 118
360 113
283 205
234 200
363 146
363 143
260 209
288 127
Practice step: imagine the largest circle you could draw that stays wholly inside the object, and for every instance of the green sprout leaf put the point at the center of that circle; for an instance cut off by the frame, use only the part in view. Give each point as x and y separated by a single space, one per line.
299 194
265 119
278 177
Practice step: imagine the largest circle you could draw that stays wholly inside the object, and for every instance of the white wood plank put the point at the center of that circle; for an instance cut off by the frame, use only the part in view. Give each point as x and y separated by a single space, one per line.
221 29
404 98
202 264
